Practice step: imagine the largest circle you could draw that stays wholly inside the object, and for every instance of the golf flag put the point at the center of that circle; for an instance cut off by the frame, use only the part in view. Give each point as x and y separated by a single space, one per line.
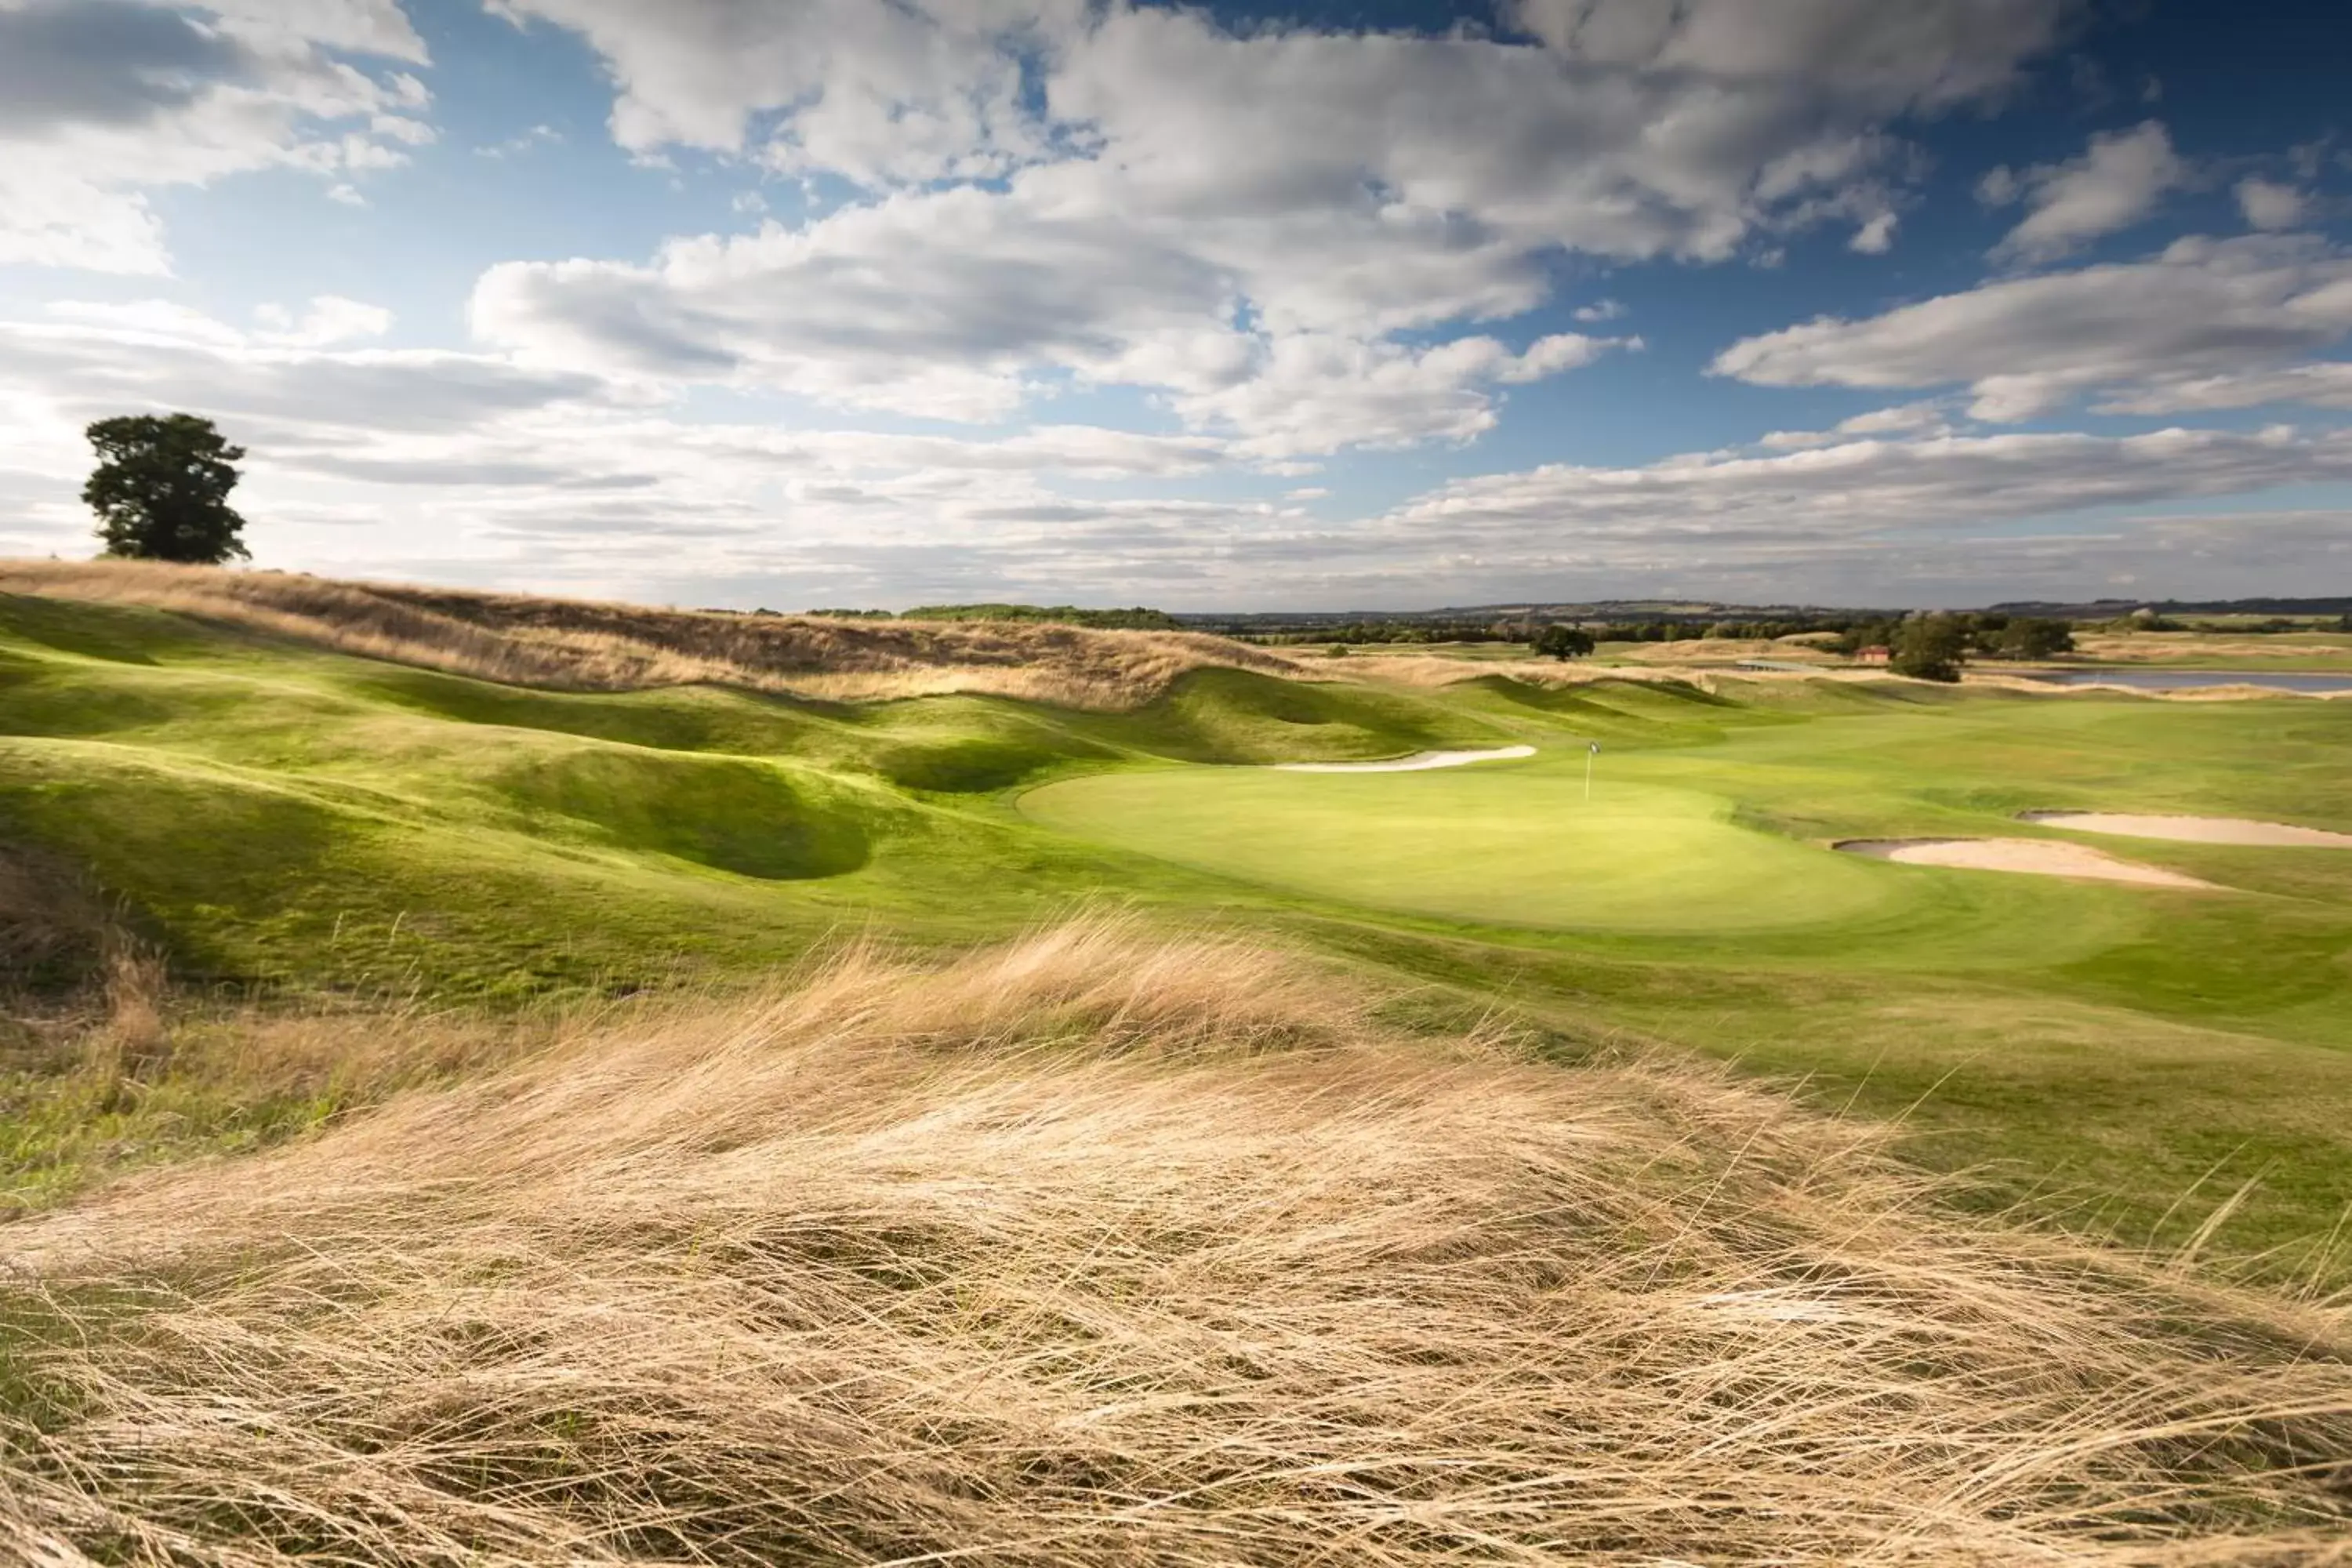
1596 748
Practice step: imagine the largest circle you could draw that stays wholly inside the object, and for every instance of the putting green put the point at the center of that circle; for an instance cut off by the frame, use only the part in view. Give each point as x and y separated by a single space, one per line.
1494 845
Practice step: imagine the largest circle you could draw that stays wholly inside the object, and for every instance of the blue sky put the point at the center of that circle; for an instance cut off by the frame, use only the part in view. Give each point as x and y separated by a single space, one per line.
838 302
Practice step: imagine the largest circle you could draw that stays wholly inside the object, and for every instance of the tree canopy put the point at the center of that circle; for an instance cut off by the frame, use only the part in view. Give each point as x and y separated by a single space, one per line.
2027 637
1930 647
160 488
1564 642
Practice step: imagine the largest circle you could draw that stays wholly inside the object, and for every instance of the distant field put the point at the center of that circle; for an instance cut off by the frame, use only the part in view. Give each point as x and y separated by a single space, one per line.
2285 651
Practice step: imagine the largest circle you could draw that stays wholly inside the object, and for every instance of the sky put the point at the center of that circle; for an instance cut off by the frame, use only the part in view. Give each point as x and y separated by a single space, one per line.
817 303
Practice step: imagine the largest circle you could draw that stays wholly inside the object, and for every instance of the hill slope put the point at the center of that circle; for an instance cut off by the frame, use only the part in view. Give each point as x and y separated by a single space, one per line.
577 645
1101 1249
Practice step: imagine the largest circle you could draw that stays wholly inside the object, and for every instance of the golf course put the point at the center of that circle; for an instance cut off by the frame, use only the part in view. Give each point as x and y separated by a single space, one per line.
312 823
448 1106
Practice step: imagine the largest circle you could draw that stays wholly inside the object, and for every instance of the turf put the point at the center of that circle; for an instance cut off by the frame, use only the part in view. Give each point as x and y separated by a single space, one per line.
290 823
1496 844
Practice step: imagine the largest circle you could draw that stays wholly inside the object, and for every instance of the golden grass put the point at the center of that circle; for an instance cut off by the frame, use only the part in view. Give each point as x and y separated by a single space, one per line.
1103 1249
583 646
55 930
2135 648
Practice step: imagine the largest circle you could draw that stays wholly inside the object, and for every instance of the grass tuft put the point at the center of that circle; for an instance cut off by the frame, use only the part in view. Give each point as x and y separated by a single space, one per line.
1106 1248
579 645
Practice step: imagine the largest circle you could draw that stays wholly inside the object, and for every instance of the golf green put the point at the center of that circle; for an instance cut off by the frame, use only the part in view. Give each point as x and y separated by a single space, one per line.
1495 843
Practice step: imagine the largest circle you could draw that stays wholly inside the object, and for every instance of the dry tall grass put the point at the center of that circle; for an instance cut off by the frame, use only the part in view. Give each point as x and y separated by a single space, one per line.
583 646
1098 1250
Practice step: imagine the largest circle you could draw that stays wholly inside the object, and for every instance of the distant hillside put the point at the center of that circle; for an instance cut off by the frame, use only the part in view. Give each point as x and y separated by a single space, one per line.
2109 609
1262 622
1136 619
578 645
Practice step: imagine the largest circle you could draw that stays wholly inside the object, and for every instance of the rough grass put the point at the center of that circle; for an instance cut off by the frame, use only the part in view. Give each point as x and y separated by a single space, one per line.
575 644
1105 1250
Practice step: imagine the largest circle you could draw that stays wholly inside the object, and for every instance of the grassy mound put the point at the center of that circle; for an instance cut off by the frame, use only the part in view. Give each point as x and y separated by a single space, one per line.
576 645
725 813
1100 1249
313 828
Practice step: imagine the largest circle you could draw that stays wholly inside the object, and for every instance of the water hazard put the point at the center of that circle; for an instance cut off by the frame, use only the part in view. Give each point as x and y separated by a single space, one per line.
2191 680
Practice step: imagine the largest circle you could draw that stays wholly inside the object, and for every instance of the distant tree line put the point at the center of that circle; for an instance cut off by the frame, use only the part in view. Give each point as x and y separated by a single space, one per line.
1935 646
1408 631
1138 618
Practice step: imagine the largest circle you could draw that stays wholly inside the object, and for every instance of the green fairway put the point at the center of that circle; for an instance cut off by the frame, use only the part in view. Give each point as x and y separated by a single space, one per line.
1496 843
292 824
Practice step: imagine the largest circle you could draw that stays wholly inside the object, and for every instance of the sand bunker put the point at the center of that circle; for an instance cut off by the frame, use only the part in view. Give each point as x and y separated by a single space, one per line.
1418 762
2039 856
2191 829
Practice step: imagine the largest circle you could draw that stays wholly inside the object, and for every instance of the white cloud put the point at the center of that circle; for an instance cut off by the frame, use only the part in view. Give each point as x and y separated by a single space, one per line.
104 101
880 94
1309 393
330 319
2113 185
473 469
1877 237
1871 485
2269 204
1599 311
1903 419
1929 53
521 142
2200 310
2325 385
1242 222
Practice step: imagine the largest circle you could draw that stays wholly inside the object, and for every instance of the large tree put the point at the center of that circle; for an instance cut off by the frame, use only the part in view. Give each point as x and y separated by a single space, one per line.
1930 647
160 488
2025 637
1564 642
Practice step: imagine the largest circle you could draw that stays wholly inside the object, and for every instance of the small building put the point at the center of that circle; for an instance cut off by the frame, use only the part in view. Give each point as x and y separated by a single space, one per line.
1876 654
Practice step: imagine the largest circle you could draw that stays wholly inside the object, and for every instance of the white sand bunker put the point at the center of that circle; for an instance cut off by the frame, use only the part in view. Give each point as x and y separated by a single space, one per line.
2191 829
1418 762
2039 856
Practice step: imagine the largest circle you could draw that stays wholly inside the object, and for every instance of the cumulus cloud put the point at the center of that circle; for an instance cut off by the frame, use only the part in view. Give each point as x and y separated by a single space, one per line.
1309 393
878 94
2270 204
1903 419
955 303
2113 185
1931 53
477 469
104 101
1245 224
2203 312
330 319
2325 385
1885 484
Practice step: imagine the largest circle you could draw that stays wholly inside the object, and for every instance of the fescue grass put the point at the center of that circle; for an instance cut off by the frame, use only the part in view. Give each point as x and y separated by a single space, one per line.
1103 1248
579 646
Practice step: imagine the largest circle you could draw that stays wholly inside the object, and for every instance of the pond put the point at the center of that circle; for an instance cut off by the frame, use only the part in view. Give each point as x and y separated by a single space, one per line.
2190 680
